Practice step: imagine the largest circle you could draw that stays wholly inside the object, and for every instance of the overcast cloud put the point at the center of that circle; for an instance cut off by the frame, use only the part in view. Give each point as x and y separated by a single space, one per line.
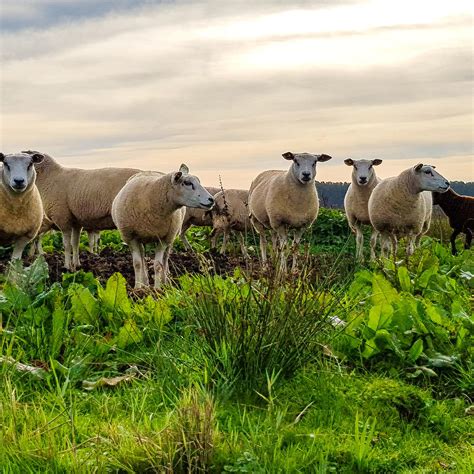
226 87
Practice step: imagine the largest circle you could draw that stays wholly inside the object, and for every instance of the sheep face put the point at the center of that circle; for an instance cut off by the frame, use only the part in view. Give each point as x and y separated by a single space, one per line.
304 165
18 171
362 170
429 179
189 191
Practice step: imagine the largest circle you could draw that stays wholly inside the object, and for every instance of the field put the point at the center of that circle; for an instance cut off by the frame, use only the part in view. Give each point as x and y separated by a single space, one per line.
339 368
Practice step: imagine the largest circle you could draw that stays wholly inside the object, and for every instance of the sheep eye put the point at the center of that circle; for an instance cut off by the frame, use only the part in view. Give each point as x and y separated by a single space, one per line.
6 166
297 164
30 165
188 183
370 167
428 172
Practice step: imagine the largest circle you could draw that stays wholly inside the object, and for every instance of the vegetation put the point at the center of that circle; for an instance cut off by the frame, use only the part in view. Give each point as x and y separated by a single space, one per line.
368 370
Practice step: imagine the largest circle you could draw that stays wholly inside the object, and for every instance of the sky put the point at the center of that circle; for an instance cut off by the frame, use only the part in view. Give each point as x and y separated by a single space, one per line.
228 86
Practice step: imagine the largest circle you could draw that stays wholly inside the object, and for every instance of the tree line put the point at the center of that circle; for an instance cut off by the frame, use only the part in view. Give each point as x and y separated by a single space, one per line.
332 194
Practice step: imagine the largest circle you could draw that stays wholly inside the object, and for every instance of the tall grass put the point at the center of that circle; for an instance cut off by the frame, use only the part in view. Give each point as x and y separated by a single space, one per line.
247 328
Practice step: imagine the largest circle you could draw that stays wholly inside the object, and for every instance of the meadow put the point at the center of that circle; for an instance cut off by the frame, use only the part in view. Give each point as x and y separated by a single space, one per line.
339 367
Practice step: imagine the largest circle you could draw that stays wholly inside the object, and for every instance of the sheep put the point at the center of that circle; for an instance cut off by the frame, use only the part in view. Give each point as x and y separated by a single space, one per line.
460 212
76 198
284 200
196 217
230 213
401 206
356 201
149 209
21 208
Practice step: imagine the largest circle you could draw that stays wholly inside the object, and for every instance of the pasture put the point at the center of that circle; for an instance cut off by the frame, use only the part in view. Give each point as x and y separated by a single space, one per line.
340 367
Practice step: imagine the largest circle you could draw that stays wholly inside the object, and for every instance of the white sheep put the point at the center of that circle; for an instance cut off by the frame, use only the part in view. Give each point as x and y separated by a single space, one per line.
230 213
21 209
401 206
149 209
284 200
196 217
76 198
356 201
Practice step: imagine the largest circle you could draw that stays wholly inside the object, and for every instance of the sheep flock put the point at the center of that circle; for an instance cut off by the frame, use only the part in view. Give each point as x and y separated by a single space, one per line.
38 194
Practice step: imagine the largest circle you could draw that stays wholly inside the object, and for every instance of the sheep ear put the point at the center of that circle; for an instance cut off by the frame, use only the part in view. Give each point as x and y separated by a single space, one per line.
184 169
2 157
177 177
418 167
37 158
288 155
324 157
376 162
349 162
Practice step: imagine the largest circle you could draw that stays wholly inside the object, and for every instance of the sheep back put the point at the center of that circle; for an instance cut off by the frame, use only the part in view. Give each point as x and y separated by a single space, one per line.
393 208
142 209
79 196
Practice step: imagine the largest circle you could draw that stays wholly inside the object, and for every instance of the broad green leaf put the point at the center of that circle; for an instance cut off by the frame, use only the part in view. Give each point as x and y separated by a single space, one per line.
435 315
57 335
84 306
424 279
415 350
382 291
114 297
128 334
404 279
370 349
380 316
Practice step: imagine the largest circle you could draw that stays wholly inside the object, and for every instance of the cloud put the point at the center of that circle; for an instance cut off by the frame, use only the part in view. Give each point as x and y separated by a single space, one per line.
230 89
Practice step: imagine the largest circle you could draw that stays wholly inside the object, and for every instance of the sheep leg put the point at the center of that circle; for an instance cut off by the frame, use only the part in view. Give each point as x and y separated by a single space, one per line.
243 248
75 239
18 247
394 243
359 243
182 236
93 242
373 243
160 264
296 242
141 275
455 233
263 239
385 245
411 239
33 247
224 241
467 244
283 241
214 234
67 249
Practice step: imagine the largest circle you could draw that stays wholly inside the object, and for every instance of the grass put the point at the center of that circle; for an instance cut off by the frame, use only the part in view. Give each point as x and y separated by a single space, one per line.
242 374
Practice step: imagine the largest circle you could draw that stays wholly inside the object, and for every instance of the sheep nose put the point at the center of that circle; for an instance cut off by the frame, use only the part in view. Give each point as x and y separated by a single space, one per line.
306 174
19 182
363 179
211 200
447 184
